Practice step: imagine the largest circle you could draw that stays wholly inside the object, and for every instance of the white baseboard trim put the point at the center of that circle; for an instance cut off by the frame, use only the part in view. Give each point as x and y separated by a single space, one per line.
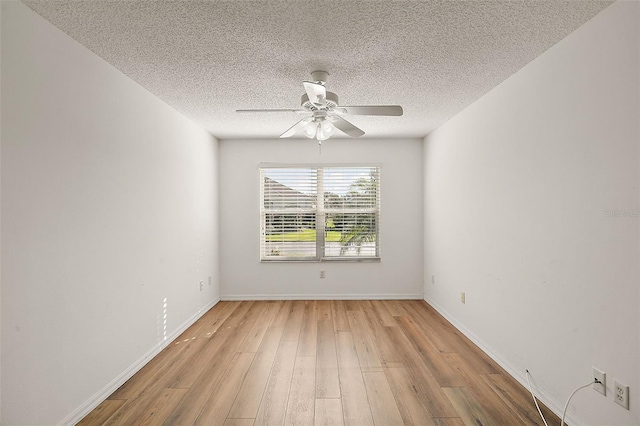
239 297
520 376
118 381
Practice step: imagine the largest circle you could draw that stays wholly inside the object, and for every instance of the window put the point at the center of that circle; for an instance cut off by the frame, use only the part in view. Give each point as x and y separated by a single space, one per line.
319 213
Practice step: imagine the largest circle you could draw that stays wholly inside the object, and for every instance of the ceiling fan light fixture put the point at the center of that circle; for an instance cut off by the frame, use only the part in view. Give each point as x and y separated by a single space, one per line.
325 130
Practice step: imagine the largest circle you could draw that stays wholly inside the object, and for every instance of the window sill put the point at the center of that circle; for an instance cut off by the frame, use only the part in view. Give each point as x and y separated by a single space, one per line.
326 260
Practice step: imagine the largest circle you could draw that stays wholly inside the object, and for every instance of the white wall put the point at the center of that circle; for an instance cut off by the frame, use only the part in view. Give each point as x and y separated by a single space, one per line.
517 187
108 209
398 274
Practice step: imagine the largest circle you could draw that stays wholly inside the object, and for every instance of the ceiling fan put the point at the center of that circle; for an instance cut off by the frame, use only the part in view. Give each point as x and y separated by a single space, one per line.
326 112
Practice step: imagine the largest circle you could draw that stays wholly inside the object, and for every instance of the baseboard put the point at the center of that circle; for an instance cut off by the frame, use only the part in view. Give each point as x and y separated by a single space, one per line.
237 297
118 381
520 376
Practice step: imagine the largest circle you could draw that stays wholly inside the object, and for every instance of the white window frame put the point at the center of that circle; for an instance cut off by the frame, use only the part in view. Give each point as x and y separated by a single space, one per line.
320 213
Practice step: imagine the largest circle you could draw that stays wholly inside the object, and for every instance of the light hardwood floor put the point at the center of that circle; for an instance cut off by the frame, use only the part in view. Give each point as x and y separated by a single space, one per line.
320 363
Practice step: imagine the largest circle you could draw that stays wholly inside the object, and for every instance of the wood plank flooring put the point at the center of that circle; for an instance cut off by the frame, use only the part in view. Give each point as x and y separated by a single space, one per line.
320 363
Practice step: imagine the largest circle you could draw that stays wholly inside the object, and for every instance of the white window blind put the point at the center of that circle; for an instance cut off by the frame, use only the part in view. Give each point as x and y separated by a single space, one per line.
319 213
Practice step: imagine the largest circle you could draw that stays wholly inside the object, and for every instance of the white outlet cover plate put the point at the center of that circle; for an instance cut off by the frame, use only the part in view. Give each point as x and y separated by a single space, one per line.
621 394
602 377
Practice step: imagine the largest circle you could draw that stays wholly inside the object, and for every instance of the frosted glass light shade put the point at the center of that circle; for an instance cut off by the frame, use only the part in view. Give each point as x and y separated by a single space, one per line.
326 129
310 130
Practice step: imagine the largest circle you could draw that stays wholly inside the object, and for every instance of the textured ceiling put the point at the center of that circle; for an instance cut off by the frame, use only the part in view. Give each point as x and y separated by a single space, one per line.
208 58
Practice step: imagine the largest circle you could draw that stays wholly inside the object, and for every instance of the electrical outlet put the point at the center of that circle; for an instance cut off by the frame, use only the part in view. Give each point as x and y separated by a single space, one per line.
201 285
209 280
602 378
433 279
321 274
463 297
621 394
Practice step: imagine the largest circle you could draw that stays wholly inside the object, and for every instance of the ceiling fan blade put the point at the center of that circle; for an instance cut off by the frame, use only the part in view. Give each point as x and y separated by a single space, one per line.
317 93
271 110
346 127
389 110
296 127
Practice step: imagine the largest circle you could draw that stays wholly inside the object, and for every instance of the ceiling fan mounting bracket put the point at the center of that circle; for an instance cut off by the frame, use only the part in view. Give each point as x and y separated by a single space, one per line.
319 76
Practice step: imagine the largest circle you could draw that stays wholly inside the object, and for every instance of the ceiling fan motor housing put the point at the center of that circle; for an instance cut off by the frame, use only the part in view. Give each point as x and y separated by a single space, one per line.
331 102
